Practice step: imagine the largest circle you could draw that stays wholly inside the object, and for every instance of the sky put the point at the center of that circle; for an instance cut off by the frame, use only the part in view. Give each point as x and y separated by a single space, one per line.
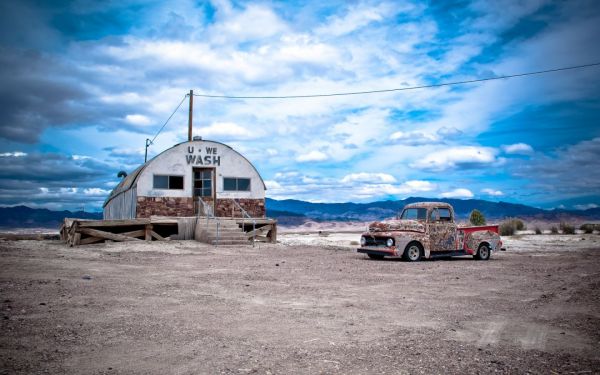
84 83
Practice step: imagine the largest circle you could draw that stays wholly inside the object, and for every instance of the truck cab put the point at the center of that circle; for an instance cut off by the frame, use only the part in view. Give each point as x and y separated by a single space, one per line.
428 230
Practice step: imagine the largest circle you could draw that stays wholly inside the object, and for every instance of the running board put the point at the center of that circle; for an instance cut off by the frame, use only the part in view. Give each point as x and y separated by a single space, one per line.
445 254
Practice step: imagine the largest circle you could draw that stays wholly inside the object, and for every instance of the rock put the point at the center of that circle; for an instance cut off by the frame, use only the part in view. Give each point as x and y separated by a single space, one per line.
86 277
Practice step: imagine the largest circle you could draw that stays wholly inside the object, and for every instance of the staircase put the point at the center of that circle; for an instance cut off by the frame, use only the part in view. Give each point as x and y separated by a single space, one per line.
229 232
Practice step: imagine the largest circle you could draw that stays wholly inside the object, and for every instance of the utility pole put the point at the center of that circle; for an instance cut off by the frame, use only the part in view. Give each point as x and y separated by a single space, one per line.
190 115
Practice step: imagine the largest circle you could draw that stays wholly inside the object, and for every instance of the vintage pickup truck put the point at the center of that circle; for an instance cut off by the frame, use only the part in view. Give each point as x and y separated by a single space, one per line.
428 230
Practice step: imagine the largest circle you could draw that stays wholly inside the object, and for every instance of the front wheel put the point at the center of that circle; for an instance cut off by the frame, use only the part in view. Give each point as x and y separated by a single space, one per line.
483 253
412 253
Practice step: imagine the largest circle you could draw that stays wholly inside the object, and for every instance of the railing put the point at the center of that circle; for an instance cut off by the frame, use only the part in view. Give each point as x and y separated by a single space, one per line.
208 211
244 216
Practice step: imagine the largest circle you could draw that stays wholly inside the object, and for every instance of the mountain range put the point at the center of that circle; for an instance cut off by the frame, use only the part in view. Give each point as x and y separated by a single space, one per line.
293 212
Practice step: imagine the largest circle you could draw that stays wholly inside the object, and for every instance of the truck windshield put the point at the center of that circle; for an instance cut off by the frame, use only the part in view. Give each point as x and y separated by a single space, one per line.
414 214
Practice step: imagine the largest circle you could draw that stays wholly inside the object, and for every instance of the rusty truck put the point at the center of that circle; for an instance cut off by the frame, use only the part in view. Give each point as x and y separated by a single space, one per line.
428 230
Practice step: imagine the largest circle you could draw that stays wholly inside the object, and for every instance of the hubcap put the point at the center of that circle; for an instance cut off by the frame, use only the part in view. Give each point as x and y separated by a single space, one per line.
484 252
413 252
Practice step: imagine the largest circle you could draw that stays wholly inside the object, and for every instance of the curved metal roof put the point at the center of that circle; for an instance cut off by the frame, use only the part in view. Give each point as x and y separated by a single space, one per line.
131 179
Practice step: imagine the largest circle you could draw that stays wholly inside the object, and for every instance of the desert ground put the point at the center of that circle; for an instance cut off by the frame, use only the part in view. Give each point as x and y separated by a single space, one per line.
309 304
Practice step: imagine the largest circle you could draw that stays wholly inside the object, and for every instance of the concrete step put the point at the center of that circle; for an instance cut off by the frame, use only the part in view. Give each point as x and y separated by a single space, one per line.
212 236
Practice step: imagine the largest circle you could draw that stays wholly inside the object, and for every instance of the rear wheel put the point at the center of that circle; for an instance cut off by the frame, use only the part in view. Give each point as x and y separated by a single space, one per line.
483 253
412 253
375 256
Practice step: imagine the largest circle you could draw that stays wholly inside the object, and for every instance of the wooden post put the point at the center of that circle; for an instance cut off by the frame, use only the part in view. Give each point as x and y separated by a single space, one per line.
190 115
148 232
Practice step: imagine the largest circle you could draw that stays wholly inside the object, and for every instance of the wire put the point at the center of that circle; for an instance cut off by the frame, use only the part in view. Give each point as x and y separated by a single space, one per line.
169 119
402 88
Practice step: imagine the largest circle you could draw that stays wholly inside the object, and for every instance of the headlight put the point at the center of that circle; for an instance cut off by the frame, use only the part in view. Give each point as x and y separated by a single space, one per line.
389 242
363 241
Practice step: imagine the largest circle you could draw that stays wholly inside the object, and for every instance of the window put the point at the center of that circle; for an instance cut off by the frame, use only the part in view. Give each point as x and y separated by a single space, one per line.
236 184
203 182
168 182
440 214
414 214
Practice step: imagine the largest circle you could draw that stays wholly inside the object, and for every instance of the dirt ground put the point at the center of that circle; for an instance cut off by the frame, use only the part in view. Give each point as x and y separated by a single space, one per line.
307 305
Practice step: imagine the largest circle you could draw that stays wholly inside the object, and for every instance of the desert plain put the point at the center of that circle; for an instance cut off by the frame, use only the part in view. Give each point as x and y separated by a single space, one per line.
309 304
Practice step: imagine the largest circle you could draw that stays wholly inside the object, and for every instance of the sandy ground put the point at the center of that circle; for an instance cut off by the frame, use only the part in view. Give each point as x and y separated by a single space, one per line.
307 305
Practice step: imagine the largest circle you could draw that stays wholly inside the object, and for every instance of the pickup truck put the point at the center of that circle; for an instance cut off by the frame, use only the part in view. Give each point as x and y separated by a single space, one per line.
428 230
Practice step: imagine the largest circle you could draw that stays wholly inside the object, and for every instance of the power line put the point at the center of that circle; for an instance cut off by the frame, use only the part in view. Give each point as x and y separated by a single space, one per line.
401 88
169 119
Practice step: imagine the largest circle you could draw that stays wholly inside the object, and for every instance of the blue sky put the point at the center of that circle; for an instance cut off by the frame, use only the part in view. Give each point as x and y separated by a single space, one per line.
84 83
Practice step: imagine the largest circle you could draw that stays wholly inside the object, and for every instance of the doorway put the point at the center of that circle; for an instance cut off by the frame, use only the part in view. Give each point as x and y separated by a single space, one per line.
204 190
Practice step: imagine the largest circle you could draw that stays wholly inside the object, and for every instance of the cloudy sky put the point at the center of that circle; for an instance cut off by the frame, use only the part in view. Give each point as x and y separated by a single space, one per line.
84 83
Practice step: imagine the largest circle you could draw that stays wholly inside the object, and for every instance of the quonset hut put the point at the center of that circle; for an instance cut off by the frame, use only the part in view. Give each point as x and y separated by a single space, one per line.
194 178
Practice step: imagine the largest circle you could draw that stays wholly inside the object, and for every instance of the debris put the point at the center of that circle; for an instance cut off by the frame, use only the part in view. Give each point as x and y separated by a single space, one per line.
86 277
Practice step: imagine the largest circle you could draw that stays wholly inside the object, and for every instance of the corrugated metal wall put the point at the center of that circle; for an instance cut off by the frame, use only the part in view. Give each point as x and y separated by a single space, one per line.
122 206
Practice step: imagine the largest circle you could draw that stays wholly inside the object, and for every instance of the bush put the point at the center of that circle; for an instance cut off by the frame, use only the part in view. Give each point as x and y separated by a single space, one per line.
567 228
538 230
554 230
587 228
476 218
509 227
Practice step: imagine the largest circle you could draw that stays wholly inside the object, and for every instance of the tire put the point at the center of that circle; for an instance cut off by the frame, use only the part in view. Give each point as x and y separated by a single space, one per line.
483 252
412 253
375 256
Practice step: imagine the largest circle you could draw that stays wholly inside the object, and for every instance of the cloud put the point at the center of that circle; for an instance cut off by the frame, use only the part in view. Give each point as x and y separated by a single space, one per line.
457 157
227 130
457 193
492 192
16 154
584 207
414 138
137 119
312 156
373 178
518 148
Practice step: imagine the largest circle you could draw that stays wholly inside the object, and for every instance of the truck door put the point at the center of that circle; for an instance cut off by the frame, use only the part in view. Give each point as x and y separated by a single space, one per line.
442 229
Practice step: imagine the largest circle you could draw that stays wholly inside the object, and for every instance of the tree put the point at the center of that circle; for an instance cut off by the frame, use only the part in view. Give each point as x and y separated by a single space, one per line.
477 218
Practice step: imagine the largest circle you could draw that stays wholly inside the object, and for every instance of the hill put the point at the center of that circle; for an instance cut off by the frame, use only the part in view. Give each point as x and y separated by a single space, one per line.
26 217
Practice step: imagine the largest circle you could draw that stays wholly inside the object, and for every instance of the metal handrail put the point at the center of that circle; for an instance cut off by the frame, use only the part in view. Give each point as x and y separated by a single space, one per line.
244 213
210 214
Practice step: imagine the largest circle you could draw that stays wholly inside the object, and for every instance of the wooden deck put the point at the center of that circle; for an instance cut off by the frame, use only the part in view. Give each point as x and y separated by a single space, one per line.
77 232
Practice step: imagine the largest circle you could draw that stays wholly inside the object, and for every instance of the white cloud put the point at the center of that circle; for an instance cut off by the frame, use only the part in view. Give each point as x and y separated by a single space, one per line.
272 152
357 18
584 207
272 184
518 148
96 192
137 119
414 138
80 157
227 130
453 157
312 156
492 192
373 178
457 193
16 154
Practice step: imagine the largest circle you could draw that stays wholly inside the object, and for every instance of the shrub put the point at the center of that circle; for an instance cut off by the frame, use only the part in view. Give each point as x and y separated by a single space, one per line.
567 228
538 230
587 228
476 218
510 226
554 230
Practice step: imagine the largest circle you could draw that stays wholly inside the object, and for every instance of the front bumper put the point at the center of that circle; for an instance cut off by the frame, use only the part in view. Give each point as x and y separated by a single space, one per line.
386 252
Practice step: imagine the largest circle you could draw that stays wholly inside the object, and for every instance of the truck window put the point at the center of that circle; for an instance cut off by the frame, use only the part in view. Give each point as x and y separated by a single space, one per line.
414 214
440 214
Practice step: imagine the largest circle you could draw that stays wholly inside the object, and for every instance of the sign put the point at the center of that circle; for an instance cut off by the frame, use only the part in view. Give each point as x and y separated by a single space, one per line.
209 157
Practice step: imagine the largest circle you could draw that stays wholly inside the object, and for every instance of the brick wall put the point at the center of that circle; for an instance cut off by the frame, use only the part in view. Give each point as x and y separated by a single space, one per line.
254 207
169 206
164 206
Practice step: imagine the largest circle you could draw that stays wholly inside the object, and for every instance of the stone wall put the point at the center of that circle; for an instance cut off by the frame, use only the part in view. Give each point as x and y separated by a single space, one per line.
164 206
176 206
254 207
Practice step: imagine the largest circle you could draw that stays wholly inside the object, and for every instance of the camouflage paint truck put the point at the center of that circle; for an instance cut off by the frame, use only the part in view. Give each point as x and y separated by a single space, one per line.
428 230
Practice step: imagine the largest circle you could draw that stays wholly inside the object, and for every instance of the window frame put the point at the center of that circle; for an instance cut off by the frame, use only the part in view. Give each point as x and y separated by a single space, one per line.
237 184
168 176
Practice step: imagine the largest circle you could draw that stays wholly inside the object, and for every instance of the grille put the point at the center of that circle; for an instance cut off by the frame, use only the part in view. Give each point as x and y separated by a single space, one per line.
376 241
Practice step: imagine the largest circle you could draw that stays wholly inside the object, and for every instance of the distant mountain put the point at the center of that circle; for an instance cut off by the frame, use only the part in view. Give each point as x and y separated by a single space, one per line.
386 209
25 217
